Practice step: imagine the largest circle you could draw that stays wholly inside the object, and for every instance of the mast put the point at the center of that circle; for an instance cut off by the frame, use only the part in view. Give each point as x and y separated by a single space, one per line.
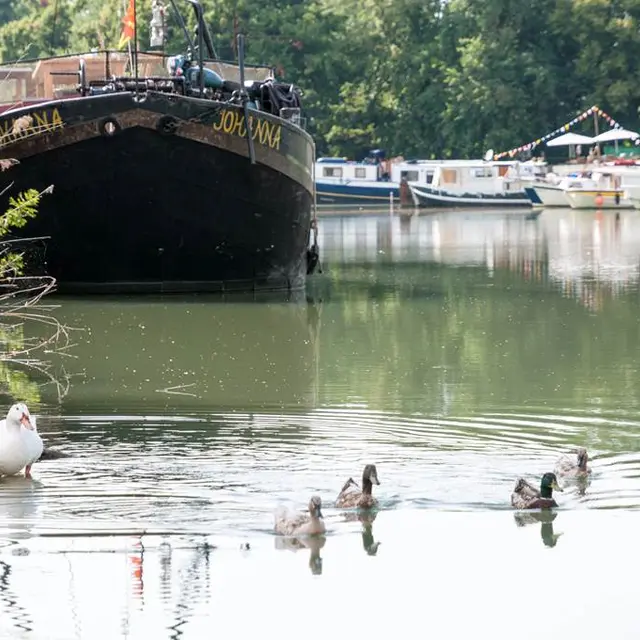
135 42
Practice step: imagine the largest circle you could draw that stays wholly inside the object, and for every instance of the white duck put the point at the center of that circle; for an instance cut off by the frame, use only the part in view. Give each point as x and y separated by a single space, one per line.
20 443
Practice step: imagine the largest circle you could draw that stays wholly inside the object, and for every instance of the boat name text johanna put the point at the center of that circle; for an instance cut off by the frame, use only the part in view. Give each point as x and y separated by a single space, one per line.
29 125
265 132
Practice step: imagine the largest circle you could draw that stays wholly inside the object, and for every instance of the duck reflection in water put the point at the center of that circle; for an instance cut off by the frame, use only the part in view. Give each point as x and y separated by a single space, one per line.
19 503
545 517
313 543
369 544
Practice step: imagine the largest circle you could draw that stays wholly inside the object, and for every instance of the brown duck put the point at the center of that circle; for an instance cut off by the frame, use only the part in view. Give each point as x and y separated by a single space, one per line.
303 524
364 499
578 468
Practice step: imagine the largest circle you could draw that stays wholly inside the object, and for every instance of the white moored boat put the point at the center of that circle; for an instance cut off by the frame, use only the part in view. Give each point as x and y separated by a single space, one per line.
600 191
551 195
472 184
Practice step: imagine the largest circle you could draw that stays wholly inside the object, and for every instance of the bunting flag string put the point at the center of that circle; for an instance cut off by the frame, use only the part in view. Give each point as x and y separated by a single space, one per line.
563 129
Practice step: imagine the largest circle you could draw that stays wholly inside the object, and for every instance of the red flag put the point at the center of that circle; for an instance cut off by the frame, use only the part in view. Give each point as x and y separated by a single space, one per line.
128 25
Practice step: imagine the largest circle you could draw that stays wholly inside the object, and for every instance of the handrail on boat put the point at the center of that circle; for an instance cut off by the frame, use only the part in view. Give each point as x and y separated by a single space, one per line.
40 78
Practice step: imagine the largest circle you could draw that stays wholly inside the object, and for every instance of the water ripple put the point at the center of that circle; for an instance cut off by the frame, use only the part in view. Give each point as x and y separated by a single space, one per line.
224 473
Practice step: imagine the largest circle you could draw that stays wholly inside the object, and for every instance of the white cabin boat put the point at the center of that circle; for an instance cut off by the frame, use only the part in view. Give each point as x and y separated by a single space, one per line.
601 190
473 184
553 191
550 194
341 182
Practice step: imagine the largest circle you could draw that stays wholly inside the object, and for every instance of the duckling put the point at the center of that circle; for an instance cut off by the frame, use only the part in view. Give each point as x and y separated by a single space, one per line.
568 468
526 496
361 499
302 524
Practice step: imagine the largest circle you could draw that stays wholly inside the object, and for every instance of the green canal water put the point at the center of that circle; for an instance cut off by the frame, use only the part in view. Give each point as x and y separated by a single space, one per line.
455 351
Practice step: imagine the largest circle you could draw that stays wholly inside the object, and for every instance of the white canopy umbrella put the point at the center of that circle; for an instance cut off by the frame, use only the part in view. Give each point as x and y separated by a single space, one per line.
616 134
568 139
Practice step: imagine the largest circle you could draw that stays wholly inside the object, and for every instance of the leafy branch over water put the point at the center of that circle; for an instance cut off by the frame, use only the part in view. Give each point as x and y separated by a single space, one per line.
21 304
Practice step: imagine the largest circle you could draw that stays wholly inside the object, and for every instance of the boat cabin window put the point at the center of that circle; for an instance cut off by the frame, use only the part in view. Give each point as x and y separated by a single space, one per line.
449 176
481 172
410 176
503 169
332 172
361 172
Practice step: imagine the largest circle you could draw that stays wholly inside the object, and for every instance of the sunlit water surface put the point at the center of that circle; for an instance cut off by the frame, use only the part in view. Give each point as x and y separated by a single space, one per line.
455 351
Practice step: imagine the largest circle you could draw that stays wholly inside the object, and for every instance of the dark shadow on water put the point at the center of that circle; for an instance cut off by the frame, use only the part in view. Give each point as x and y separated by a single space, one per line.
545 518
233 297
21 619
313 543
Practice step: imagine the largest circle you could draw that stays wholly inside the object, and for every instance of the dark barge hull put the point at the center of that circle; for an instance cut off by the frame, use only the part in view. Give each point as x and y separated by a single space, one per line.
168 200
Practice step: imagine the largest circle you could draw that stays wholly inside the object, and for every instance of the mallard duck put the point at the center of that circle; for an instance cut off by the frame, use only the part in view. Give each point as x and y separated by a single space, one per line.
526 496
568 468
288 524
355 498
20 443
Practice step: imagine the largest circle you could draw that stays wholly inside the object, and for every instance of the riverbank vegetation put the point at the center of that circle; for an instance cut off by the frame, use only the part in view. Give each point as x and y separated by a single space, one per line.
415 77
29 332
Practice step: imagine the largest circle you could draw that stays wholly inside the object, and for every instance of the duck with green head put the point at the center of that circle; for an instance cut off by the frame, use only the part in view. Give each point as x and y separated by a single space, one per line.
526 496
348 497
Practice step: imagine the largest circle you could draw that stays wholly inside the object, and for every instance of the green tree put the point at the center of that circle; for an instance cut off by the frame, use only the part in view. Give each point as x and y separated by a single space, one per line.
22 208
430 78
38 31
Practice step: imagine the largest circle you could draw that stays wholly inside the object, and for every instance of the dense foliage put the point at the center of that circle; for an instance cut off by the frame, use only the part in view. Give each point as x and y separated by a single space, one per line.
416 77
22 207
